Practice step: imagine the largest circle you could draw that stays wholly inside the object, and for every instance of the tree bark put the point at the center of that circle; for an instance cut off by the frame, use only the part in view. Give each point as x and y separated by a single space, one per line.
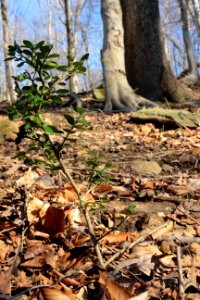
10 91
192 66
143 65
196 15
119 94
73 81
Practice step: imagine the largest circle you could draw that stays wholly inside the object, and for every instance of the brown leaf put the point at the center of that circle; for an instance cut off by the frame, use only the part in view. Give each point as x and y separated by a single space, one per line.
4 251
117 238
73 217
54 294
54 221
103 188
169 227
112 289
36 210
5 284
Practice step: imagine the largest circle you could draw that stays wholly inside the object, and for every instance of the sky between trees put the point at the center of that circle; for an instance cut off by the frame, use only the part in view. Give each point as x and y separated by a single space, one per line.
29 19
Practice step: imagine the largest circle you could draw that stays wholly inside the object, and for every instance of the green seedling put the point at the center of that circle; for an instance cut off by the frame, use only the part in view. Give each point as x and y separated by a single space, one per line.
40 84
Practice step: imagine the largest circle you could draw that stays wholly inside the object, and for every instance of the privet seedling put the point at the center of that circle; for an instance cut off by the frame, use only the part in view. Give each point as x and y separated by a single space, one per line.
40 84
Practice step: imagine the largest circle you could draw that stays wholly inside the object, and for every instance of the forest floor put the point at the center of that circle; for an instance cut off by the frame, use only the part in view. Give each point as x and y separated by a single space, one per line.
145 212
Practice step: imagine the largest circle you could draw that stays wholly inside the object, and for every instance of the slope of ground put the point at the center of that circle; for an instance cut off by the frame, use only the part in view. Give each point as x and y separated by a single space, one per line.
145 213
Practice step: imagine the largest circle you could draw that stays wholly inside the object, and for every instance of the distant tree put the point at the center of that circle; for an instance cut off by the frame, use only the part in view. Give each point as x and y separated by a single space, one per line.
134 58
195 12
72 27
192 66
49 31
9 84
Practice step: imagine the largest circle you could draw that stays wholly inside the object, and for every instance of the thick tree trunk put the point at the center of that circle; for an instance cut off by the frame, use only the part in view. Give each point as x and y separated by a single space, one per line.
136 24
10 91
119 94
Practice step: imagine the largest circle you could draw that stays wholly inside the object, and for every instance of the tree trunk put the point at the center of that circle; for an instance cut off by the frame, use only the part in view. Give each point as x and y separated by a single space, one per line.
73 81
192 67
10 91
143 66
196 15
119 94
49 29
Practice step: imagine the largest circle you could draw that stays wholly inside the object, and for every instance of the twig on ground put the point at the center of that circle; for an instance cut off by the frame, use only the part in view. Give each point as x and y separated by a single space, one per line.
188 216
180 271
179 239
86 215
133 244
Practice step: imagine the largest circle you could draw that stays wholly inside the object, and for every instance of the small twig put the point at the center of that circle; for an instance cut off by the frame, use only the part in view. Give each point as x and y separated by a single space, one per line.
188 216
133 244
86 214
180 239
28 290
180 271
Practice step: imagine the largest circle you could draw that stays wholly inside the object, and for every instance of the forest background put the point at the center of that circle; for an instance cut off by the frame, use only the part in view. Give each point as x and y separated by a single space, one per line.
37 20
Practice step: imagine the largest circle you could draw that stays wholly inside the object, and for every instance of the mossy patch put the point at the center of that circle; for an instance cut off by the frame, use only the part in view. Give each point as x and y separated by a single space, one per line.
7 127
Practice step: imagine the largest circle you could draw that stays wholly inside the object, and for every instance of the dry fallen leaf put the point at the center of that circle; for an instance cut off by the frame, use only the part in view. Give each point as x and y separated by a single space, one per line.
103 188
112 289
169 227
54 294
117 238
4 251
54 220
142 296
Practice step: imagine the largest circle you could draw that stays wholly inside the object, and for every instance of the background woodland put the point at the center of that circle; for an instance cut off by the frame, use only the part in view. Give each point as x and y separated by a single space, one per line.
75 27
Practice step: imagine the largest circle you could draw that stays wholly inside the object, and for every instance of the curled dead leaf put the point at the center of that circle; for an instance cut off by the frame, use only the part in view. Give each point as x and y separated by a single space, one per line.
54 294
103 188
54 220
117 238
112 289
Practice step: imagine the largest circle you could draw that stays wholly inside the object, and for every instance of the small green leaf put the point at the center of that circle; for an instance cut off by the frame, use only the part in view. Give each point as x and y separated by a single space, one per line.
80 110
50 129
82 121
28 44
82 69
20 155
70 58
46 49
108 165
37 120
40 55
69 119
40 44
62 68
131 209
53 55
20 64
27 52
50 65
85 57
62 91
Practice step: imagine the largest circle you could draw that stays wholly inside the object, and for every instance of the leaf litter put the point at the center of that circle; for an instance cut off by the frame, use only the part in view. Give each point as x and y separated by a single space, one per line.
146 218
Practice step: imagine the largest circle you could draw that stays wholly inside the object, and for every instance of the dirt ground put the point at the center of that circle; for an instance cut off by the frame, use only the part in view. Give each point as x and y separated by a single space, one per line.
151 251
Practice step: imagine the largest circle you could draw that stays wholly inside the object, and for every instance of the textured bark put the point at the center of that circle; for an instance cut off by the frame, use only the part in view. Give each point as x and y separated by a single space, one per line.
143 49
135 24
119 94
187 41
10 91
73 81
196 15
